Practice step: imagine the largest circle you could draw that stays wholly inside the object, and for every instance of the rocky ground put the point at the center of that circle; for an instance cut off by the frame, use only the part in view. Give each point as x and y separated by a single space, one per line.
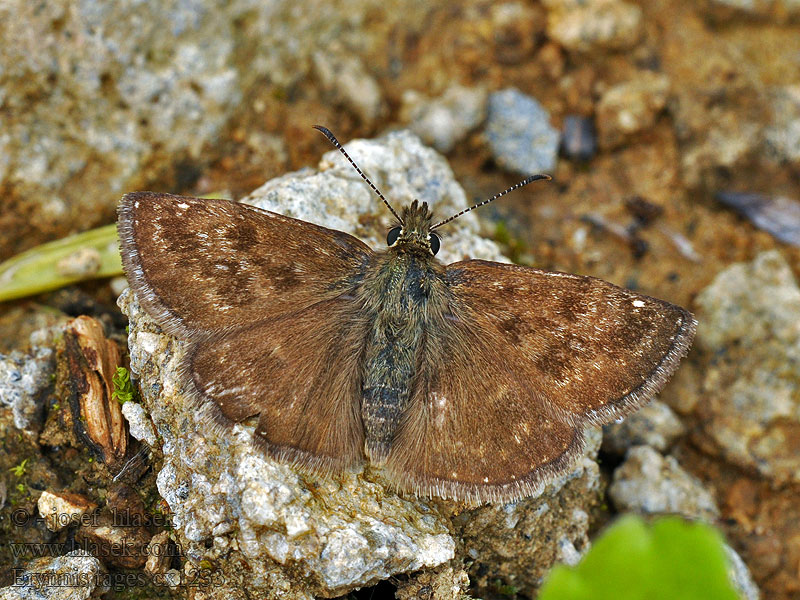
672 132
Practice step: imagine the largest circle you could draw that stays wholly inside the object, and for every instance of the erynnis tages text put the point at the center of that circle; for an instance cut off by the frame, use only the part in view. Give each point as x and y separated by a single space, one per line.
472 380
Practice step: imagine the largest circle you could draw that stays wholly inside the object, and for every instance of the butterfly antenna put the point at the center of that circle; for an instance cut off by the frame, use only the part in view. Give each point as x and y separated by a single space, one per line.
524 182
332 138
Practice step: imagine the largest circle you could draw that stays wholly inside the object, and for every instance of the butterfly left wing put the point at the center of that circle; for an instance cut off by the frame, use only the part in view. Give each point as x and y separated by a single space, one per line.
520 361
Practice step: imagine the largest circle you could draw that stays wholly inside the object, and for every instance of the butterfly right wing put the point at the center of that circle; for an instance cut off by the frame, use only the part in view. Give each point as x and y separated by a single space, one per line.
202 265
300 373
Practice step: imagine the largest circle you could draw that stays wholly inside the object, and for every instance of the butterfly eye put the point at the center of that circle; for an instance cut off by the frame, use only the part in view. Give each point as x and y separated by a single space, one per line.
393 234
435 243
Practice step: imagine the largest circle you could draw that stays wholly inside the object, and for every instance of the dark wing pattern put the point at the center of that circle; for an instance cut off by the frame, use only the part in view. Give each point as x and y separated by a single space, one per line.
215 265
567 350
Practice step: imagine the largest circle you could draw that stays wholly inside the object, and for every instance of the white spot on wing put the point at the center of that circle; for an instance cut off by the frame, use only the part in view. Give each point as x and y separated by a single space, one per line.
638 303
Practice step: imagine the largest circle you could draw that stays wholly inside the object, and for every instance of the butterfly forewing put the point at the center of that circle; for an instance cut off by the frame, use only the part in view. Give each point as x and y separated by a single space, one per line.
214 265
592 350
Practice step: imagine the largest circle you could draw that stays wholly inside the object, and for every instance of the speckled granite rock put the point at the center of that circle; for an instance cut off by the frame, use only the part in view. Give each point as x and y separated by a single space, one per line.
75 576
650 483
782 136
630 107
442 122
750 333
654 425
96 92
24 379
591 25
299 535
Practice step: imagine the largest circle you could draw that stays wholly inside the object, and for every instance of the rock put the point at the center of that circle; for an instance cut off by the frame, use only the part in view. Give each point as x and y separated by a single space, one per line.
782 135
518 543
710 83
345 79
740 576
630 107
592 25
444 583
140 425
516 29
160 553
650 483
780 10
94 93
519 133
579 141
75 576
749 333
117 540
446 120
654 425
266 527
62 509
24 382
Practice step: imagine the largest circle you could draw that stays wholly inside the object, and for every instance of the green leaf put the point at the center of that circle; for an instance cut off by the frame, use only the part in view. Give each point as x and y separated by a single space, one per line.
669 559
123 388
42 268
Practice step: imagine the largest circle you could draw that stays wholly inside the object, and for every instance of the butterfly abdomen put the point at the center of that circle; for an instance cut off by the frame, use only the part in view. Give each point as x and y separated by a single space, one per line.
401 292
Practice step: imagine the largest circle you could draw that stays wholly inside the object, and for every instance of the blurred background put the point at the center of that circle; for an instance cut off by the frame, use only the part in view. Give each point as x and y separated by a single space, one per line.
671 129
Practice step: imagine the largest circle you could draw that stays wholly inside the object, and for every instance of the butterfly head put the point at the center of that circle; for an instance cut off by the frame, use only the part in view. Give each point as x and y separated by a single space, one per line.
414 234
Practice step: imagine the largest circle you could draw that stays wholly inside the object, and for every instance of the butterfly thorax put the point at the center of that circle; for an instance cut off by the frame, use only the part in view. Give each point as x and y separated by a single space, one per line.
407 286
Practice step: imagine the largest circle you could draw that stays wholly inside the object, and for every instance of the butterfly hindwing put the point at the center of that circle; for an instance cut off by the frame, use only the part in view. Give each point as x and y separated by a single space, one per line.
300 373
215 265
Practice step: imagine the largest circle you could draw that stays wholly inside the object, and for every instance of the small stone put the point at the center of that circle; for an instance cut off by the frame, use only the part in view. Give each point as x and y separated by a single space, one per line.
591 25
654 425
749 334
345 79
782 136
117 538
24 380
140 425
159 555
650 483
630 107
62 509
444 583
740 576
446 120
519 133
78 574
579 141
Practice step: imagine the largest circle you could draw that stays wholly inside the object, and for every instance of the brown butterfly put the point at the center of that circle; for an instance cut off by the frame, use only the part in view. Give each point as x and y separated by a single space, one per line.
472 380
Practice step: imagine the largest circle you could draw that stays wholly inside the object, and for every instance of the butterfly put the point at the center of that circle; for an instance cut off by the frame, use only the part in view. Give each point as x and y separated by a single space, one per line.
471 381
